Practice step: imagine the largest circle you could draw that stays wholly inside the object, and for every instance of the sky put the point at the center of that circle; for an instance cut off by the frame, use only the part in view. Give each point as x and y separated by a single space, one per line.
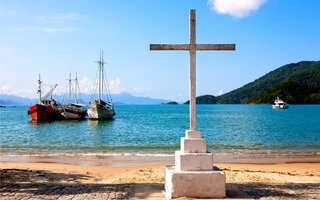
56 37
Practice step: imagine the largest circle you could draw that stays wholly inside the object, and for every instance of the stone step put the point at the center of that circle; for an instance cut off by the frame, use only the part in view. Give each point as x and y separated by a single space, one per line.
193 161
193 145
197 184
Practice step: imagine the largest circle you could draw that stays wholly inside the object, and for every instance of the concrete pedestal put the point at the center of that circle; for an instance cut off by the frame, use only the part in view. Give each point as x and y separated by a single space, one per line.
196 184
193 174
193 161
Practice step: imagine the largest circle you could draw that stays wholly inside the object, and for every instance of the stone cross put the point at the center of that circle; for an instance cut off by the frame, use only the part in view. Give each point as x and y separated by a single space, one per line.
193 174
192 47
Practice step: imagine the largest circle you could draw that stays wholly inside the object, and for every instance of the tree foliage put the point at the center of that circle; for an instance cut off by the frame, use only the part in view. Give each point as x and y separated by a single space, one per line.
205 99
305 72
290 91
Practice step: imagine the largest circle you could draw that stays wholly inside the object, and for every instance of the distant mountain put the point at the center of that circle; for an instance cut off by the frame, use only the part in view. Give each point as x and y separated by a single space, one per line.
118 99
290 91
9 100
304 73
127 98
204 99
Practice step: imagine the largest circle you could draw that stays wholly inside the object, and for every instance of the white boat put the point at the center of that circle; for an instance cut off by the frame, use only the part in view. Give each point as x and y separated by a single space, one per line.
74 110
99 108
279 104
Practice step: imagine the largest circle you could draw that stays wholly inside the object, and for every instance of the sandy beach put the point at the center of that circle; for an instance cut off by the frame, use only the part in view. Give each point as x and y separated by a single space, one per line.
34 180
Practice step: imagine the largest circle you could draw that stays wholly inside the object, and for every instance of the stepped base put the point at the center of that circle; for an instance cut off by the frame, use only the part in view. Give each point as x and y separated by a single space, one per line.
193 161
196 184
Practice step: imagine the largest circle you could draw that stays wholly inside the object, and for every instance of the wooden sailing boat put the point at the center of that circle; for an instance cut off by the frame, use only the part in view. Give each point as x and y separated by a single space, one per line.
47 109
101 109
74 110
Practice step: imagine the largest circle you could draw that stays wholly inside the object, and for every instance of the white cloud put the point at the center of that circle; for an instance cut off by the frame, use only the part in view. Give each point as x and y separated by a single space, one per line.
220 92
4 50
139 90
4 88
85 85
53 30
7 89
236 8
60 18
115 86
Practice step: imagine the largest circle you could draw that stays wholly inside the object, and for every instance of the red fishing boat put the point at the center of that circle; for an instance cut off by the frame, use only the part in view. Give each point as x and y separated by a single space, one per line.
47 109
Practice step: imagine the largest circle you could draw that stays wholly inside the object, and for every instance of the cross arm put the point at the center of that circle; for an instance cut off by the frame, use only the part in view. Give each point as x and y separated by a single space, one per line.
217 47
169 47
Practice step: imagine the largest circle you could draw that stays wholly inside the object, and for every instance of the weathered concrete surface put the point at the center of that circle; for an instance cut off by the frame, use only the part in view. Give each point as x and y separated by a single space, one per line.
197 184
193 145
193 134
193 161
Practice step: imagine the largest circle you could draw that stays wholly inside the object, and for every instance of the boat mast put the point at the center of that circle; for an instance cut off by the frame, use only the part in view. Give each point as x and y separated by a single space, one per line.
100 62
75 87
39 88
102 75
69 88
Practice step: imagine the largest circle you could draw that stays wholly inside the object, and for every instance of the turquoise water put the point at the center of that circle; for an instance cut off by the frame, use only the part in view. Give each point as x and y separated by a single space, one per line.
157 129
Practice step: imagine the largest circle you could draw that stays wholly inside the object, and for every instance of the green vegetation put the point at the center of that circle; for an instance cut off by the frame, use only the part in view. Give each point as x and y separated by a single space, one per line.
304 73
205 99
290 91
172 103
296 83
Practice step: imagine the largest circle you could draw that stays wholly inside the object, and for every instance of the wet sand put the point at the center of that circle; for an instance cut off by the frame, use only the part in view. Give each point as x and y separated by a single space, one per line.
131 159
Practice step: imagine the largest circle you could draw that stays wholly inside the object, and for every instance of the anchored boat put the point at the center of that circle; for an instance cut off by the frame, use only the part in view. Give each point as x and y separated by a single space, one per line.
279 104
99 108
74 110
47 109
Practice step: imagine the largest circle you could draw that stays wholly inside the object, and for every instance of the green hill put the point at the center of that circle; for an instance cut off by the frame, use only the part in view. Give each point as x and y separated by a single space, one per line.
305 73
205 99
172 103
290 91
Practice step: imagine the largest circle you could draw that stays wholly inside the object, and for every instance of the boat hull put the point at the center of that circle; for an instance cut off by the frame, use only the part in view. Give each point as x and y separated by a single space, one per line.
41 112
98 111
280 106
73 113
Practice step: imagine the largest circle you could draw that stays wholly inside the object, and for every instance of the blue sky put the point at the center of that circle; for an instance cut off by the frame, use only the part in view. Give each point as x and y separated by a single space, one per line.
55 37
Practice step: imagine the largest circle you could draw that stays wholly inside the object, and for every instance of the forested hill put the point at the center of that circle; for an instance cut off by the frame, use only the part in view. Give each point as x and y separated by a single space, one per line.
204 99
290 91
304 73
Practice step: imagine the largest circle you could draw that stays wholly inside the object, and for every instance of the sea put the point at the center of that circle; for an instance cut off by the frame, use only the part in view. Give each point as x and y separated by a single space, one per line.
157 129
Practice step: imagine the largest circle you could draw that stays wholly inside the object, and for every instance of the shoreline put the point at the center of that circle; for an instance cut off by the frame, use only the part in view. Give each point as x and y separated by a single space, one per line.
131 159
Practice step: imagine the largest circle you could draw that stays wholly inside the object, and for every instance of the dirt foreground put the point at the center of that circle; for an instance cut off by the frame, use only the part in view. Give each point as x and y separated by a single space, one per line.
65 181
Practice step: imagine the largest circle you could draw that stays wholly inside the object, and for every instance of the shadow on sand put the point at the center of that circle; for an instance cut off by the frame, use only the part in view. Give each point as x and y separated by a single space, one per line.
44 184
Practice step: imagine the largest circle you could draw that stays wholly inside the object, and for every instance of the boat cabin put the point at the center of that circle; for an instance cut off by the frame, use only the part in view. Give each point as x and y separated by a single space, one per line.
48 102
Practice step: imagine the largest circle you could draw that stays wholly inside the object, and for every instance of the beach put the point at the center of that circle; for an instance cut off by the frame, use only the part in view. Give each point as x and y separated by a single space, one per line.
58 180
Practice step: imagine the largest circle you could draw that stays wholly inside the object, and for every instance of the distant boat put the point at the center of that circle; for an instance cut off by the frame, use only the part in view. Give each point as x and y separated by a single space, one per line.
101 109
279 104
47 109
74 110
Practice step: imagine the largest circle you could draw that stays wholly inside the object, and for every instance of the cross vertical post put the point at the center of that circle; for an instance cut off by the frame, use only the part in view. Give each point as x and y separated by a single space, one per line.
192 52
